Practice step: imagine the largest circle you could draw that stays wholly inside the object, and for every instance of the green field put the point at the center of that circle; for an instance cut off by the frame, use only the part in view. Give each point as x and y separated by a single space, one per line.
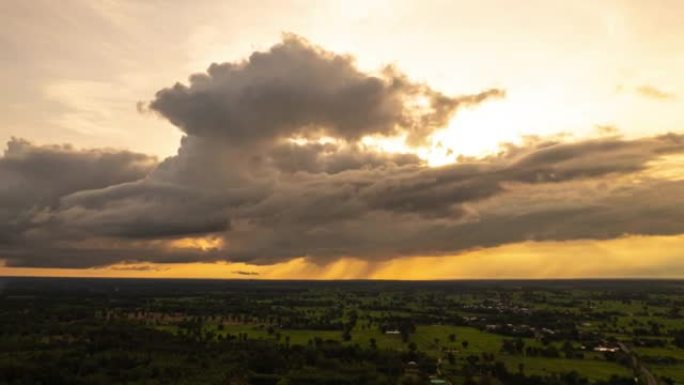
496 333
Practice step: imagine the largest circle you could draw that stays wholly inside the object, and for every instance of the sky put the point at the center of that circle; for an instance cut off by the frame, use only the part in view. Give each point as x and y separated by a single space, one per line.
341 139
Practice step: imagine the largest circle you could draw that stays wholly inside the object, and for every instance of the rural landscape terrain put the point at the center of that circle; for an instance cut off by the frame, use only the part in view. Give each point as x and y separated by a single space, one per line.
128 331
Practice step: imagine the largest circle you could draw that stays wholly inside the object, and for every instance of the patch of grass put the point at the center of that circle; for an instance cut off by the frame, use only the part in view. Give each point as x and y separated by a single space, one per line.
592 369
661 352
675 372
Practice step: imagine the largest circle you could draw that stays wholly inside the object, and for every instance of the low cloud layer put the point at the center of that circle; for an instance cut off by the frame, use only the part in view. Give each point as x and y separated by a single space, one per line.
273 167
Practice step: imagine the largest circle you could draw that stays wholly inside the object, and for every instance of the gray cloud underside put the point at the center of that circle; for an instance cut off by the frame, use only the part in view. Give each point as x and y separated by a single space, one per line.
545 191
298 89
238 177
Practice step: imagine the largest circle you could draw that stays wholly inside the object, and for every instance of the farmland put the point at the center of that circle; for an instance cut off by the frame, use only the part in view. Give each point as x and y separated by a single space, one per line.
291 332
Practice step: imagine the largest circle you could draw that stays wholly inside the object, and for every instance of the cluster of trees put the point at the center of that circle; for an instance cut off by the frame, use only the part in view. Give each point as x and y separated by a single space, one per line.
128 353
678 339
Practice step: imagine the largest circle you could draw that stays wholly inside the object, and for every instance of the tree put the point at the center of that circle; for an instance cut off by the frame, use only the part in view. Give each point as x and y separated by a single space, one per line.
519 345
472 360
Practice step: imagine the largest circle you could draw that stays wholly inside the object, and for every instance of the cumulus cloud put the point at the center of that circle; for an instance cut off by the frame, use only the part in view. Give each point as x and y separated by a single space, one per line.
273 167
296 89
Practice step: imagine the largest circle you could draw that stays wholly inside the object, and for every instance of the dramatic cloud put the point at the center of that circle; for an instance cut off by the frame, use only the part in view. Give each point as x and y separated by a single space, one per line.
34 179
296 89
274 167
548 191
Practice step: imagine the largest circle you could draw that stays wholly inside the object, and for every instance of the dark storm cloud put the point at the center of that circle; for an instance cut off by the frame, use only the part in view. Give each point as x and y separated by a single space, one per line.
553 191
430 191
547 191
40 174
298 89
34 178
142 210
254 172
108 253
332 159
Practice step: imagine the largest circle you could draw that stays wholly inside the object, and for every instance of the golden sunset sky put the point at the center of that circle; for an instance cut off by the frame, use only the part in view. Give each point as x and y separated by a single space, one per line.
528 139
